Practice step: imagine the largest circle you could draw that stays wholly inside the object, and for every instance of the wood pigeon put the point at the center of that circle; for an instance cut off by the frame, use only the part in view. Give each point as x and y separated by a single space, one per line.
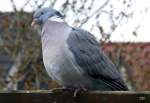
73 57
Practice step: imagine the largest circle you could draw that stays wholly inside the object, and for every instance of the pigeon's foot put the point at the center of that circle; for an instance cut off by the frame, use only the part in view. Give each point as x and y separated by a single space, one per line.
75 91
78 90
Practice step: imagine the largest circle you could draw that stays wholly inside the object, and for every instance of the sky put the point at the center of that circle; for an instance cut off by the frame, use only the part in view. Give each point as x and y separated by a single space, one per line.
123 33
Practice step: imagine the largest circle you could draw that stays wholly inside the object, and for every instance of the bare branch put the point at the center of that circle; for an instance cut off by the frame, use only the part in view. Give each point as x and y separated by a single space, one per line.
44 1
13 5
96 11
26 3
53 3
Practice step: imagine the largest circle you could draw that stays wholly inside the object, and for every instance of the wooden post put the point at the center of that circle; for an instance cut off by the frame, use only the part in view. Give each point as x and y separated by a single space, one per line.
67 97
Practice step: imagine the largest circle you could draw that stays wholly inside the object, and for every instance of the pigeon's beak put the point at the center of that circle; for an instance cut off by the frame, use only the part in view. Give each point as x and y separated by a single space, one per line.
34 22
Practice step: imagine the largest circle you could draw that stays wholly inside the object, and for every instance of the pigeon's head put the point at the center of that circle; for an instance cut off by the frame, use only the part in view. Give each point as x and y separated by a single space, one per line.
43 14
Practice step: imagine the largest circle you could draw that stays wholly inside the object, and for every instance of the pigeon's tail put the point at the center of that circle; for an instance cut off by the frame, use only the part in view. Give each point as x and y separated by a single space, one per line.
108 85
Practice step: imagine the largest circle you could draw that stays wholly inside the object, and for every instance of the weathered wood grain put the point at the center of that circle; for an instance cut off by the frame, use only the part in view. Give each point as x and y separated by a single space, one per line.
67 97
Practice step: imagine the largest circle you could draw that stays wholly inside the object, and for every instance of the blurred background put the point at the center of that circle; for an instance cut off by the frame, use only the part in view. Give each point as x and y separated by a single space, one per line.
121 26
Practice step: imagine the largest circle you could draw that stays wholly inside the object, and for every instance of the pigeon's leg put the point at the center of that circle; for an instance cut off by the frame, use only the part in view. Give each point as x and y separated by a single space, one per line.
76 92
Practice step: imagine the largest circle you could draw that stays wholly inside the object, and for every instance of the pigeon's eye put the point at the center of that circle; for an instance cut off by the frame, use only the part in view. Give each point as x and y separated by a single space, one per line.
42 13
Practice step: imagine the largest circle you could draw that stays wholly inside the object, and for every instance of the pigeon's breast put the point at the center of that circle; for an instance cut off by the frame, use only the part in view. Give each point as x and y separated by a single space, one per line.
61 67
59 61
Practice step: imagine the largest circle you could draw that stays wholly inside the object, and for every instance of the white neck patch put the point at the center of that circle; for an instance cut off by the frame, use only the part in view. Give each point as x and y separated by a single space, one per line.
56 18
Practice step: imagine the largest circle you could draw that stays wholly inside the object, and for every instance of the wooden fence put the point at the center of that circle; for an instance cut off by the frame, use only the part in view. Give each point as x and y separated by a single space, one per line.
67 97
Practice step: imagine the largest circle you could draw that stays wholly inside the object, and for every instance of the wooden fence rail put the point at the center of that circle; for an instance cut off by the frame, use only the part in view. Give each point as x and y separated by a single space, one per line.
67 97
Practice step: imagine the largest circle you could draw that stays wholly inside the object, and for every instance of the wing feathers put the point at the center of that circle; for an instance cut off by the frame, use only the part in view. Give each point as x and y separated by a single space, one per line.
91 59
